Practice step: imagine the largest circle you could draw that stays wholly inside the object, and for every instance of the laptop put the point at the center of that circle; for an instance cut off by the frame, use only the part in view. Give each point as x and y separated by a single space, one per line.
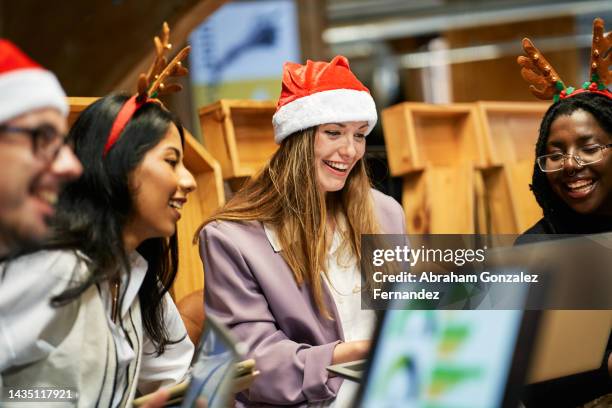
457 358
453 358
214 368
577 318
448 358
569 342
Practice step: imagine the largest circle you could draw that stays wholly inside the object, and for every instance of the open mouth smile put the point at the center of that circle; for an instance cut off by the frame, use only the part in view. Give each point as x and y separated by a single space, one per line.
579 188
337 166
176 204
45 199
49 197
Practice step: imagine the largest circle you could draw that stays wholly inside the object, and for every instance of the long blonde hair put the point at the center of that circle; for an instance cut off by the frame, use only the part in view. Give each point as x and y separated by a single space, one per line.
284 195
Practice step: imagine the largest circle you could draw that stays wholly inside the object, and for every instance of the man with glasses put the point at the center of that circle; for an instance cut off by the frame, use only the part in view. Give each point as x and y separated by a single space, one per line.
34 160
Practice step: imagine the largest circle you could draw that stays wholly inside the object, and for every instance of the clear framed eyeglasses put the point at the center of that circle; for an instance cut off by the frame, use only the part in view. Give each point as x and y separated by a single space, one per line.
586 155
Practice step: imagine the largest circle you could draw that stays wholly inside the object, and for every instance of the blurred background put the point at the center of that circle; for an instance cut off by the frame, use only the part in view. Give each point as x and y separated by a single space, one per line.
456 162
437 51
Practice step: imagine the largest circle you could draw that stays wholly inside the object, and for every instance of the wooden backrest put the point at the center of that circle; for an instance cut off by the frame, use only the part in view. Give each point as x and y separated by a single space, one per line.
239 134
466 167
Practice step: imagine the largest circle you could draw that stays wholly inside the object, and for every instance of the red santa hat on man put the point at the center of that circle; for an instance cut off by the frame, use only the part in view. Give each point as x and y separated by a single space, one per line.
319 93
25 85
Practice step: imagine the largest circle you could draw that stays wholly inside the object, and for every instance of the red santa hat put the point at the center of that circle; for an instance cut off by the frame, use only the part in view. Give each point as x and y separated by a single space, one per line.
25 85
319 93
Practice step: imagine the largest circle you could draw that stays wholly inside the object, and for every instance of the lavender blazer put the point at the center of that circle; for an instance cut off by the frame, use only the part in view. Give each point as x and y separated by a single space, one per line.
251 289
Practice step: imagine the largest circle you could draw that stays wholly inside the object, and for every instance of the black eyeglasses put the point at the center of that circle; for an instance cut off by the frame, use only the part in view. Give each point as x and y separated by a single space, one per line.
46 140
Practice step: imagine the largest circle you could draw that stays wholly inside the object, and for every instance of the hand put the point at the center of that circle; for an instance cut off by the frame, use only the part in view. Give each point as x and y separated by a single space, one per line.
350 351
244 382
158 399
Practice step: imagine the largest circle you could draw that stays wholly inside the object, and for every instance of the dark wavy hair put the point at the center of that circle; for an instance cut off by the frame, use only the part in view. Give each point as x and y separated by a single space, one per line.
93 210
559 217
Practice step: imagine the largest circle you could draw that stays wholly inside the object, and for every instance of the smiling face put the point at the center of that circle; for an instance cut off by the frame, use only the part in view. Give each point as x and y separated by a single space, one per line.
586 189
30 182
161 184
337 147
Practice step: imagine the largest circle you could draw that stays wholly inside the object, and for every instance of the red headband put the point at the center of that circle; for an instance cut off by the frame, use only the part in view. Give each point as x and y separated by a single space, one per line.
123 117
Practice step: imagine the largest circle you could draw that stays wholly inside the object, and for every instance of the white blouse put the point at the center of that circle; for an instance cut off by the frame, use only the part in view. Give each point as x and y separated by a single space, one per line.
344 283
26 288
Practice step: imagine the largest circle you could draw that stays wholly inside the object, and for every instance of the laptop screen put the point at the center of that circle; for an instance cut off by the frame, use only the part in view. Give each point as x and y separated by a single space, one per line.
442 358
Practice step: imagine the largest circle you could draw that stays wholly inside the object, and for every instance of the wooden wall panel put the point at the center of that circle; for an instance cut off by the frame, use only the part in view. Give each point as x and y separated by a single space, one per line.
98 46
239 134
500 79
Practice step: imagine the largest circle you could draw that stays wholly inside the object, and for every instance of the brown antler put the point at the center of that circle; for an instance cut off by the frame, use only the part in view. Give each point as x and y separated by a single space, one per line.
601 53
173 69
544 80
152 83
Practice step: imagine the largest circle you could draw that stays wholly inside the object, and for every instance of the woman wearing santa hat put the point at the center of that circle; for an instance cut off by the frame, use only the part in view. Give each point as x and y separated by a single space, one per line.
282 256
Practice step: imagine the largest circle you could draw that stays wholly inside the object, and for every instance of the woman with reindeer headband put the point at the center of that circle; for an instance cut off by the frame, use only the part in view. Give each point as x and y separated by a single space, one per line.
572 180
572 176
281 258
93 312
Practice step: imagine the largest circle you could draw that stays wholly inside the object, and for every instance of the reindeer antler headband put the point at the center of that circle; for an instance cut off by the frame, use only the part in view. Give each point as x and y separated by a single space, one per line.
546 83
150 85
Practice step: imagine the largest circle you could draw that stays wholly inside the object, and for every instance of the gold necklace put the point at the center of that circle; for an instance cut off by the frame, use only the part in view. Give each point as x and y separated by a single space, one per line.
115 299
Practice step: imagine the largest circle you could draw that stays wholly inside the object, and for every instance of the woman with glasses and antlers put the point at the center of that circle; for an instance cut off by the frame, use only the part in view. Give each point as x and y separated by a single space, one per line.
91 315
572 183
572 177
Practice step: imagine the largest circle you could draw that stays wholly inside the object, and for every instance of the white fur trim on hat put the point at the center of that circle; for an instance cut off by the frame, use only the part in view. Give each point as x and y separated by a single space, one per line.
333 106
24 90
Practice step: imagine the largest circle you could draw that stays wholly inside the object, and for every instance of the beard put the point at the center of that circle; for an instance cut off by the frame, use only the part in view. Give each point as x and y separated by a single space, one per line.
15 241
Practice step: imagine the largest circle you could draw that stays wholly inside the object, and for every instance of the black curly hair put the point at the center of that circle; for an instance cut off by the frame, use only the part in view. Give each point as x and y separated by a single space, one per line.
558 216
